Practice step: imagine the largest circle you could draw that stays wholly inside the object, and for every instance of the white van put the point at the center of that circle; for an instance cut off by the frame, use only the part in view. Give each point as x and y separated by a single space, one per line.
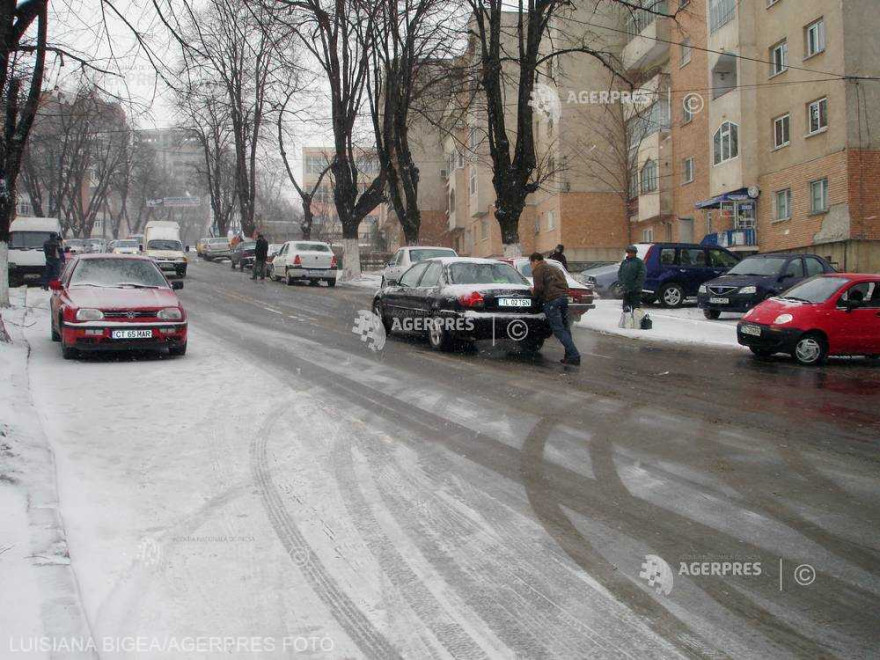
26 257
162 244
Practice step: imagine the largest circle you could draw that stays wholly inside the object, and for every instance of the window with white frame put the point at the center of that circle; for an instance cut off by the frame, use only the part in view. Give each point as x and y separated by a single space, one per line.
687 170
687 110
459 159
817 116
819 196
473 180
686 52
782 131
814 37
538 224
721 12
783 204
551 220
484 229
779 58
473 141
647 236
648 177
726 142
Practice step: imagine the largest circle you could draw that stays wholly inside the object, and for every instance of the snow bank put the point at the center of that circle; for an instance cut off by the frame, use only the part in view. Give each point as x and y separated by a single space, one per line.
678 326
366 281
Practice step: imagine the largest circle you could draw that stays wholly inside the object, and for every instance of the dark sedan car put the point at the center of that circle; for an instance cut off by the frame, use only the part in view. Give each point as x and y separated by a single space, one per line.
242 255
757 278
469 300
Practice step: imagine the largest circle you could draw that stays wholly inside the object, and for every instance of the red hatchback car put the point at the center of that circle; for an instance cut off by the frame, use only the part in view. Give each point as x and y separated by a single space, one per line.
831 314
113 302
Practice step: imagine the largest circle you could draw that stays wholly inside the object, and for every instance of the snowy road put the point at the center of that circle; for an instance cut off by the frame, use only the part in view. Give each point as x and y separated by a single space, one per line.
283 482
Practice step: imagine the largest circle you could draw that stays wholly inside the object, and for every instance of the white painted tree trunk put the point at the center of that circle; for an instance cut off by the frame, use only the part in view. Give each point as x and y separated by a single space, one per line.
512 250
4 274
351 259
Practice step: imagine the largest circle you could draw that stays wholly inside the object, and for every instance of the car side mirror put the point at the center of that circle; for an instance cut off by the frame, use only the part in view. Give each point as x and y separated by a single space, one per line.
850 305
55 285
390 281
176 285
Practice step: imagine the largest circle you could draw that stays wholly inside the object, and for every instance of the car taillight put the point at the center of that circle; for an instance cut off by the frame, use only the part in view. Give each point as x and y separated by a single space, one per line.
297 261
473 299
333 261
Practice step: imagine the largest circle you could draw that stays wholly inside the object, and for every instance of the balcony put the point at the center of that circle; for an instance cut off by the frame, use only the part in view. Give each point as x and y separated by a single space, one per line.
648 38
736 240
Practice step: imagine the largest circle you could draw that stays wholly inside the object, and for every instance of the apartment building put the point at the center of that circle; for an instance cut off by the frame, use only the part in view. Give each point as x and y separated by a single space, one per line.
772 141
327 226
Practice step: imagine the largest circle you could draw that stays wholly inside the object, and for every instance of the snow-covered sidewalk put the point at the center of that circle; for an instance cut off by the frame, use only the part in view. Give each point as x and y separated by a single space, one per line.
367 280
686 325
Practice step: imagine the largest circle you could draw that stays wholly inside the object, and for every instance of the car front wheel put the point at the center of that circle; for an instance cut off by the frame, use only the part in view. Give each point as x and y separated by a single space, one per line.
379 310
672 296
810 350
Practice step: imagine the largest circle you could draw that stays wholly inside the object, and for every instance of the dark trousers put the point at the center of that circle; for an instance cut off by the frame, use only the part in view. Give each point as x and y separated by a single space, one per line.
259 268
632 299
556 312
51 272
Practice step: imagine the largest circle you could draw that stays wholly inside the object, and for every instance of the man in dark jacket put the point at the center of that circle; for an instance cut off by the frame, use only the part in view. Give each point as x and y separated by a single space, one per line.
631 275
261 253
54 252
557 255
551 289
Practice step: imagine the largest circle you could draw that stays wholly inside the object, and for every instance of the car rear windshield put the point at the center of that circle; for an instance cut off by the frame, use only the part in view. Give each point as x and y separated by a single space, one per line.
219 241
250 245
420 255
24 240
165 244
816 290
758 266
117 273
464 273
311 247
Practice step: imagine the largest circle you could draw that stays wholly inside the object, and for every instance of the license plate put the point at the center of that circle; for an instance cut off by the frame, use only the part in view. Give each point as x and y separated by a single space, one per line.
752 330
719 301
132 334
514 302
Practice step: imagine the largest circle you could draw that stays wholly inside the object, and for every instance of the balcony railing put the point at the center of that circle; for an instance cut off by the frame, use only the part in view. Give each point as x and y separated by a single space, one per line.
733 238
639 19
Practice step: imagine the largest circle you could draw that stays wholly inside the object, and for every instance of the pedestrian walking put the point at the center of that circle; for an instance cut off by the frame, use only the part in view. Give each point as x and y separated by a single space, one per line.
558 255
261 253
631 276
551 290
54 252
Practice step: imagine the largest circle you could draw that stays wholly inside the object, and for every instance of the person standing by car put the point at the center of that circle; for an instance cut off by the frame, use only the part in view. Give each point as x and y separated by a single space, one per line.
261 253
558 255
551 290
631 275
54 258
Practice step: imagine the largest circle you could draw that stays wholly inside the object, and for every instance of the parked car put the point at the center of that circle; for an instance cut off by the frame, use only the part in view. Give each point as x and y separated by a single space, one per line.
200 246
274 249
603 279
216 248
463 299
305 261
755 279
675 271
75 246
96 245
116 302
124 246
580 296
242 255
830 314
413 254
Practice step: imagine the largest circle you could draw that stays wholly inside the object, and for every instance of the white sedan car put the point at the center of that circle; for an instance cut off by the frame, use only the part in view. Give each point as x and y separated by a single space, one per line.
304 261
412 254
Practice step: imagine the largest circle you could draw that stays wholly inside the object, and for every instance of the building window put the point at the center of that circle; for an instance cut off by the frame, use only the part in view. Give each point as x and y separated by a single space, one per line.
484 229
473 180
726 142
819 196
647 236
687 109
687 168
781 131
783 204
686 51
551 220
721 12
649 177
779 58
817 116
814 37
473 142
633 189
538 224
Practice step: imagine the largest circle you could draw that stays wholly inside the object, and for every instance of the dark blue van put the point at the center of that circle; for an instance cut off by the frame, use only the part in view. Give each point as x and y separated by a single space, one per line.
676 270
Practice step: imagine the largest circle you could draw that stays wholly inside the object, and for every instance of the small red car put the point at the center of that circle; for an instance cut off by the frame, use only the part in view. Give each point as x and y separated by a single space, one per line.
831 314
113 302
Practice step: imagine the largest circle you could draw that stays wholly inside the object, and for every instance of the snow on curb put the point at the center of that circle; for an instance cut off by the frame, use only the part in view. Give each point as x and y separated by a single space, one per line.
41 596
365 281
676 326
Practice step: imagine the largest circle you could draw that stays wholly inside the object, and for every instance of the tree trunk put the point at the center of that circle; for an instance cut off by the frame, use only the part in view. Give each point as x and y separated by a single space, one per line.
351 259
308 218
4 274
